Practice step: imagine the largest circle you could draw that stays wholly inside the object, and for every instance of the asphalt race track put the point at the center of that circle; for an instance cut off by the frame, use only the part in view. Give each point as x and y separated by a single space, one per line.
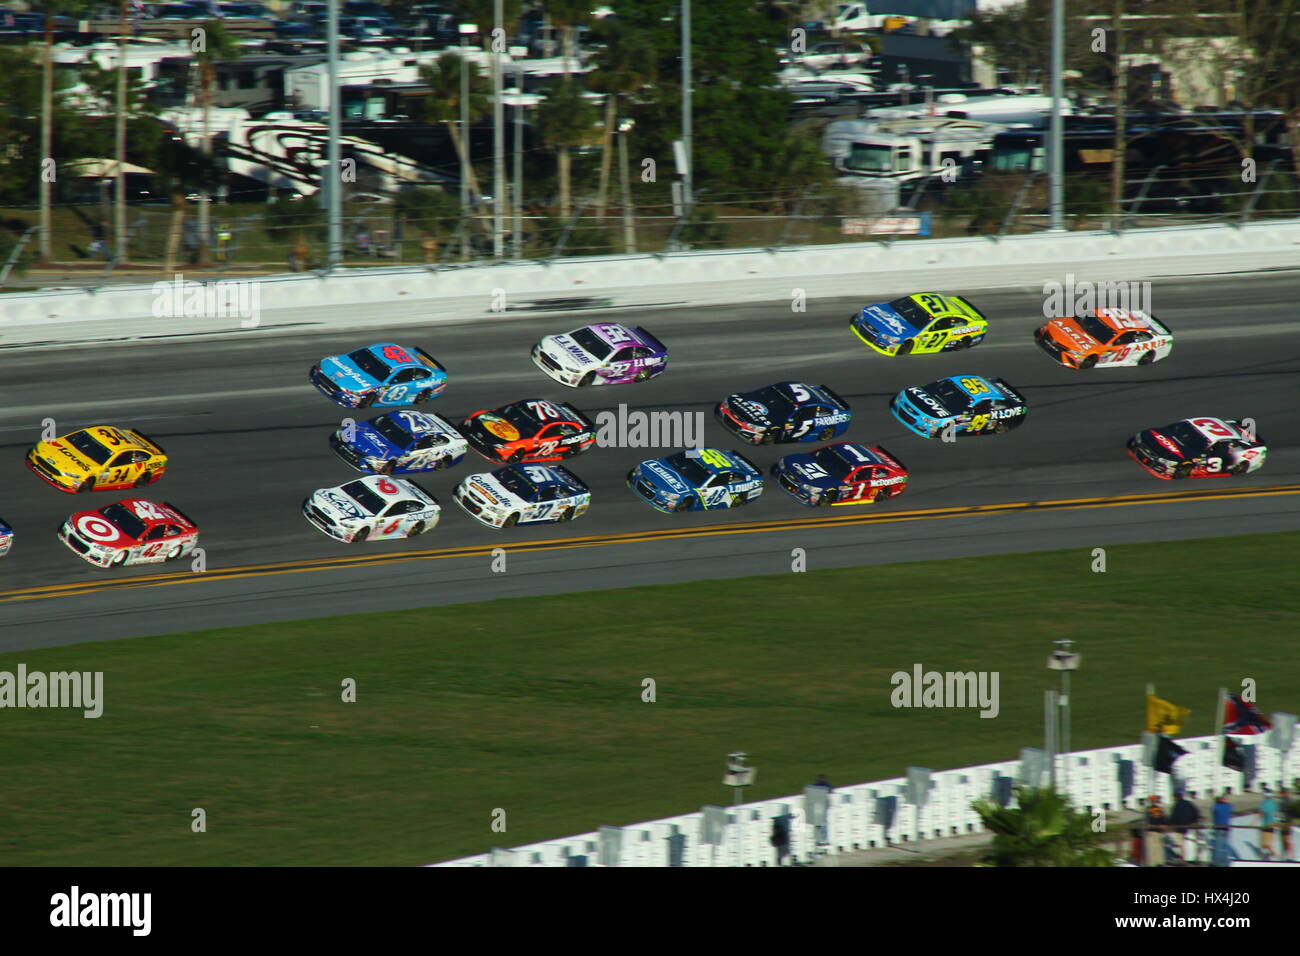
247 437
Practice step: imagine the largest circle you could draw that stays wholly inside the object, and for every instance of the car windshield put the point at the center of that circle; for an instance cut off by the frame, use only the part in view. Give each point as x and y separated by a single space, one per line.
591 342
1191 441
368 363
521 417
392 431
912 313
953 398
88 447
831 461
1095 328
367 499
517 483
695 474
125 519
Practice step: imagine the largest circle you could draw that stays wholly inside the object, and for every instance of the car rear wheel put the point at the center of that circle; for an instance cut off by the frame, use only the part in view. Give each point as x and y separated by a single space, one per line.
143 480
826 433
442 463
511 521
1088 362
423 397
119 558
642 375
565 515
1239 468
904 348
1001 428
967 342
1147 359
175 552
587 379
361 535
417 528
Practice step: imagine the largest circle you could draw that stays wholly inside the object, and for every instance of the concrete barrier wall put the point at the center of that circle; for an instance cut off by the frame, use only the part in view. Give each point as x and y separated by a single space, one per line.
857 819
415 295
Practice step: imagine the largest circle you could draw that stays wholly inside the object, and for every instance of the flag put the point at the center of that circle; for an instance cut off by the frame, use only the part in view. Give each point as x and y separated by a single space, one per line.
1166 753
1240 717
1164 717
1234 758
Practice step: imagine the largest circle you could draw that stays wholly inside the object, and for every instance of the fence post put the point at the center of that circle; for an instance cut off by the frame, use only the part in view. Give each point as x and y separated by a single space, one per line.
1139 198
1016 202
1255 193
17 251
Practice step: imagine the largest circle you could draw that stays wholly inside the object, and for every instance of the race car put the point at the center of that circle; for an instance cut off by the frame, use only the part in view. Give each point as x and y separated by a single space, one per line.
1198 448
972 404
697 480
529 430
380 374
841 474
375 507
98 458
1106 337
523 494
400 443
6 538
607 353
784 412
923 323
132 531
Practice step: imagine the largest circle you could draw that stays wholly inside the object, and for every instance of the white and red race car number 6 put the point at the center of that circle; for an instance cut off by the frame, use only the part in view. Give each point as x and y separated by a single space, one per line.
392 527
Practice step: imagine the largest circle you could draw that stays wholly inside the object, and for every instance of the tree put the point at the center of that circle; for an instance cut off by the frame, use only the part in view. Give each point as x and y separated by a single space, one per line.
626 64
443 105
566 119
1041 830
68 8
211 43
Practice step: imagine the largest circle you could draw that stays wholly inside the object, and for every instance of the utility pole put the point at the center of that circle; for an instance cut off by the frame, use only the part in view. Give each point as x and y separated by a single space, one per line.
517 197
465 158
498 136
331 174
47 124
688 178
1054 154
119 204
629 230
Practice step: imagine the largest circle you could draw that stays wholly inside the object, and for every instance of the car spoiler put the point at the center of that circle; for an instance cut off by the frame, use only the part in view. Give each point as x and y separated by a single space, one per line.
139 434
1160 324
972 306
432 497
888 455
652 339
736 454
429 358
1009 391
581 416
835 395
571 476
182 514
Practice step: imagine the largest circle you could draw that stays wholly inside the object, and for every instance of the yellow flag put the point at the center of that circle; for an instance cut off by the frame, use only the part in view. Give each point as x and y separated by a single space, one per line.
1164 717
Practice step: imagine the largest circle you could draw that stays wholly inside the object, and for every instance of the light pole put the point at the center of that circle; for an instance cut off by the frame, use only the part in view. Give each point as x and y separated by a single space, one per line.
1065 661
466 29
1055 158
517 196
629 230
498 136
688 177
119 206
333 172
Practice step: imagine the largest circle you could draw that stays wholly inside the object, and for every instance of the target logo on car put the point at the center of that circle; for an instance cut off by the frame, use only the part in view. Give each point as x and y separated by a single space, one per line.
95 528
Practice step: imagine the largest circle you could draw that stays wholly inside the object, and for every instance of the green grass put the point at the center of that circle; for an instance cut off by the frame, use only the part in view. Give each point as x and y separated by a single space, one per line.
534 705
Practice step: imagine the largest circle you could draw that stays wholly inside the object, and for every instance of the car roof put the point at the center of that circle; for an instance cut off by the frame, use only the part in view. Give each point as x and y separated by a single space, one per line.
953 305
1124 319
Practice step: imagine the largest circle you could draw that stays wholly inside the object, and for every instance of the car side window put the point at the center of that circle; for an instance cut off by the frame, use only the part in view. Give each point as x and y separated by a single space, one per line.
641 352
1124 338
948 322
122 459
173 531
1141 336
155 533
623 355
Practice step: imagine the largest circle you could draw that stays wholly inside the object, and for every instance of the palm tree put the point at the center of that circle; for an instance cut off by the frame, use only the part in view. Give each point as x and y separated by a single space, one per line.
628 63
70 8
566 119
568 15
1042 830
212 44
443 105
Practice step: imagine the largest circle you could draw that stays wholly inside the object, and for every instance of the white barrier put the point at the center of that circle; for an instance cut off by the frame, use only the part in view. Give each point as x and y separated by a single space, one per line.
358 297
868 815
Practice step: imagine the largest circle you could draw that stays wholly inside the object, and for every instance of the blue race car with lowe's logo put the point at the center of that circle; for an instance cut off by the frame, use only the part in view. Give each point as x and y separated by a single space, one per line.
784 412
400 442
920 324
696 480
380 374
971 404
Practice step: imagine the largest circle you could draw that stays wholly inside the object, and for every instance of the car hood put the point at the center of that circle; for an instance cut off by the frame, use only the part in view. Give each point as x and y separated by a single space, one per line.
886 322
367 441
804 470
568 352
926 403
65 457
749 409
1163 445
94 527
1069 334
487 488
344 373
338 505
663 476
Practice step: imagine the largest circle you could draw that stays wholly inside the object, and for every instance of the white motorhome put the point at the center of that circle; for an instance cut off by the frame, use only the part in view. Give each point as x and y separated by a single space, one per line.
1016 109
909 149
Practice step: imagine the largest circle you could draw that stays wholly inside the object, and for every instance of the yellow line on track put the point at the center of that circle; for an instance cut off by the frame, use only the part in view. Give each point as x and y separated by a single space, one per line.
815 520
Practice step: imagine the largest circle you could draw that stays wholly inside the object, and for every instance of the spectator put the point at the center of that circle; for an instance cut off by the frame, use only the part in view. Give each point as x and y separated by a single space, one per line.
1184 818
823 834
1284 824
1268 820
1222 822
781 838
1154 838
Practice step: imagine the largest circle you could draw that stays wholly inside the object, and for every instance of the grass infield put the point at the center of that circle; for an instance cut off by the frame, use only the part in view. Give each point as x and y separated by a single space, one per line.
535 705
